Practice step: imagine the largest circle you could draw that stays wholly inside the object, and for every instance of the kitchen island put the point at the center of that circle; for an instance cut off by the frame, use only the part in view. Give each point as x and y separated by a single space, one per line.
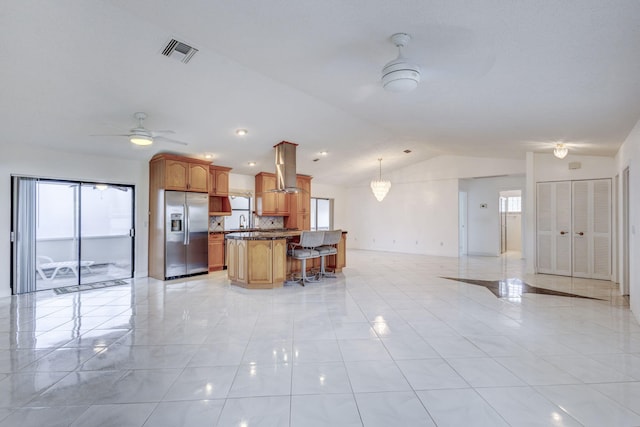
258 259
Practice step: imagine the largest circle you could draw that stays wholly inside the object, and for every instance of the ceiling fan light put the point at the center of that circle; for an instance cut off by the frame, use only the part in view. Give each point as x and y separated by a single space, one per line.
400 76
560 151
141 140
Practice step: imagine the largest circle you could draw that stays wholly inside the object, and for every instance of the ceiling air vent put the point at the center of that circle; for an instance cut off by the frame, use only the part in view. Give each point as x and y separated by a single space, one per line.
178 50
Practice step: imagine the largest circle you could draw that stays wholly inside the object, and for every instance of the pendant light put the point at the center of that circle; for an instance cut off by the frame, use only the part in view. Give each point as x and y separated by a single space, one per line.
560 151
379 187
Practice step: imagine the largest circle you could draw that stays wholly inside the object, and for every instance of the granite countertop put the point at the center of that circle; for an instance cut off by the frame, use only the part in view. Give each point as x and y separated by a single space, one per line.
266 234
263 235
247 230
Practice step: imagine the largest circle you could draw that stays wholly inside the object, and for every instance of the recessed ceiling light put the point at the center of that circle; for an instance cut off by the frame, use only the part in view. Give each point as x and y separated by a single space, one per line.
241 132
208 156
323 153
251 163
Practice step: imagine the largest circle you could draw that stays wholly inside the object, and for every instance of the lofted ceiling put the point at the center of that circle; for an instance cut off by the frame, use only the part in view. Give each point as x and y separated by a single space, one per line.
499 78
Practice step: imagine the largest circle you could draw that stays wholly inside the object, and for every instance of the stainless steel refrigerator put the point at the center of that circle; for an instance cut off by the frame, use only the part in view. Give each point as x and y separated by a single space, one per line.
186 233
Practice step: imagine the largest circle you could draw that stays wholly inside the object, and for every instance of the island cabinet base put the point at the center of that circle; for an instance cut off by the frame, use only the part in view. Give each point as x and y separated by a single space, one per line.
257 264
334 263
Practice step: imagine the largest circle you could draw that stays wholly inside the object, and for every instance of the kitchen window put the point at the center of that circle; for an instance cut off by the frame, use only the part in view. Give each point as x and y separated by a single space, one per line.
321 214
240 211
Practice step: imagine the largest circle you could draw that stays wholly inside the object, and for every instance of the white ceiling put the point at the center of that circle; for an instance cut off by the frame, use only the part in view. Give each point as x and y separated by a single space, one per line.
499 78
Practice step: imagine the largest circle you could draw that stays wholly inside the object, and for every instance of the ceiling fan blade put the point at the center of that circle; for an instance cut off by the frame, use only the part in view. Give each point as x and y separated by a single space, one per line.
174 141
110 134
154 132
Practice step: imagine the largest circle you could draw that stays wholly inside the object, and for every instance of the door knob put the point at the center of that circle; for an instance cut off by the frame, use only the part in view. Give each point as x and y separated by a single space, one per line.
562 233
580 233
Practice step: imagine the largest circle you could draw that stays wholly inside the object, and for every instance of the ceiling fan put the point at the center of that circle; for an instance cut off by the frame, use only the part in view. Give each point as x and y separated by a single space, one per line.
142 136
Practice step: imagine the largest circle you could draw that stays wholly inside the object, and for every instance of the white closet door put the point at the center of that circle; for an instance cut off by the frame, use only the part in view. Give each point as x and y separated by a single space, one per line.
581 205
544 227
554 227
601 229
592 229
562 234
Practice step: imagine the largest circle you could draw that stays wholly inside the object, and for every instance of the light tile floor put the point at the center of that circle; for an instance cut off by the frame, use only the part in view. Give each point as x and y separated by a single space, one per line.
388 343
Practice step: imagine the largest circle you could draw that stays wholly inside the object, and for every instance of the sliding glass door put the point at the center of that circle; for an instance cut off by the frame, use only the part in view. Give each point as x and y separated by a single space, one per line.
70 233
106 230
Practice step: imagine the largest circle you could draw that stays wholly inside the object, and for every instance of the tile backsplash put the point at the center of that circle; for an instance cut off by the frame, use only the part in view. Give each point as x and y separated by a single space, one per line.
216 223
266 222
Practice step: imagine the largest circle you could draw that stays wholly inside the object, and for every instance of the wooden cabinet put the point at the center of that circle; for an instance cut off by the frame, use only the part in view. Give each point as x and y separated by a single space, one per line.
171 172
216 251
219 204
219 181
198 178
269 202
279 255
176 175
257 264
260 262
300 212
339 261
237 260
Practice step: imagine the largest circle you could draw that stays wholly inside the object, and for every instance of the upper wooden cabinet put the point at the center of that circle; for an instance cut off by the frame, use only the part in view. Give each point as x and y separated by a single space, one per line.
303 198
171 172
218 180
219 204
269 202
300 212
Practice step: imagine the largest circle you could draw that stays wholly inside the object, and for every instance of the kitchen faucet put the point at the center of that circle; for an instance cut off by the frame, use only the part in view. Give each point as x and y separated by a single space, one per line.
243 221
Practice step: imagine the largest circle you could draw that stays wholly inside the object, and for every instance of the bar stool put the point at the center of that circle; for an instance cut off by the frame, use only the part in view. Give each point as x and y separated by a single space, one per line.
328 247
304 250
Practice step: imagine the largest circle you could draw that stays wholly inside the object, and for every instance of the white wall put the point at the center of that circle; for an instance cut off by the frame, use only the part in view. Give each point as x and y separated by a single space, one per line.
38 162
483 223
549 168
420 213
629 156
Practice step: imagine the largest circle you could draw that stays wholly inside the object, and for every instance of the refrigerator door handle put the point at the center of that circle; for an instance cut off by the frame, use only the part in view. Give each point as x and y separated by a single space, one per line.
186 225
187 237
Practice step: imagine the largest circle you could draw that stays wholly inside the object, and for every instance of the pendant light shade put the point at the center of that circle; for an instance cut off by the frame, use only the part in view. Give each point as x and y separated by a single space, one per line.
560 151
380 187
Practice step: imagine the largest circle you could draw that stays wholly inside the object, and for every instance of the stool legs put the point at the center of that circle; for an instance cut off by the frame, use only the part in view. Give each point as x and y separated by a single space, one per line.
323 271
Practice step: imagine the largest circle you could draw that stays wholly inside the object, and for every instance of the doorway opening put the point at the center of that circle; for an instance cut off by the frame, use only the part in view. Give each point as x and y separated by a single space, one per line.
69 233
511 222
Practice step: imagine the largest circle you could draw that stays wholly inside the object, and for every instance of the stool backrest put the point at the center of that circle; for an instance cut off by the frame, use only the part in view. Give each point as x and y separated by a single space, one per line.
332 237
311 239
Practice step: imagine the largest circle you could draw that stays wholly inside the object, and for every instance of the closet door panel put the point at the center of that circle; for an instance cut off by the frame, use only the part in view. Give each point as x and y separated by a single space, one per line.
544 227
601 229
581 256
562 229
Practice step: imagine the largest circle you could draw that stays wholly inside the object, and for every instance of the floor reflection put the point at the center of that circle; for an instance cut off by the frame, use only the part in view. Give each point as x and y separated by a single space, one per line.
514 288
